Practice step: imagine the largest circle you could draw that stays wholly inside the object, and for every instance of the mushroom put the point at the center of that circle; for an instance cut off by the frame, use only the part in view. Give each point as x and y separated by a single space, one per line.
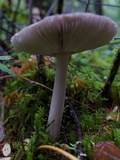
61 36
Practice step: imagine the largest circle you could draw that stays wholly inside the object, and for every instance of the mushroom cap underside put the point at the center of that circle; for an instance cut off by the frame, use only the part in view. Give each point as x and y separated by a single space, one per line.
65 33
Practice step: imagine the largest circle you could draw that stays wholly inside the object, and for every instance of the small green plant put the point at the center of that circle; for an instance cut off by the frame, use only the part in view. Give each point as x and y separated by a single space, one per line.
3 67
87 146
38 136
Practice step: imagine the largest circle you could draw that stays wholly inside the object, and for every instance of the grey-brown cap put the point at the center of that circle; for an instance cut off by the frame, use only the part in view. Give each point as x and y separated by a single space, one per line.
65 33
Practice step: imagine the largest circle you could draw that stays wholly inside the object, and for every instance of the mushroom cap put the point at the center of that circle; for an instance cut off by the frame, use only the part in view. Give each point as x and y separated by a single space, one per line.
65 33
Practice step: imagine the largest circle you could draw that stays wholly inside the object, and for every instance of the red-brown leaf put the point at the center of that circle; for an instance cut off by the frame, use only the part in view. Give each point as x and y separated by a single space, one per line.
106 150
12 96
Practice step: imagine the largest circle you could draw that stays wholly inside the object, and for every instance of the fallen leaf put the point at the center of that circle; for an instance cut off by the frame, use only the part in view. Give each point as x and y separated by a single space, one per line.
48 61
80 83
12 96
15 69
106 150
25 66
106 128
113 114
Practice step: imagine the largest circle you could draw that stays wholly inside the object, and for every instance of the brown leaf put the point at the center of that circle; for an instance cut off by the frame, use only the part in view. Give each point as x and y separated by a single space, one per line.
106 128
15 69
113 114
12 96
106 150
48 61
25 66
80 83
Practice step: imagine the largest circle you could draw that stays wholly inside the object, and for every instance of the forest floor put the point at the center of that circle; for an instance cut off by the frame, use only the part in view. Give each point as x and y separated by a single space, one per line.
90 127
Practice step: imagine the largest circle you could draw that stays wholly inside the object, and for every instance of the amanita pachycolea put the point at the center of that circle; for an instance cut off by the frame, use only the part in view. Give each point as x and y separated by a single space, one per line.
61 36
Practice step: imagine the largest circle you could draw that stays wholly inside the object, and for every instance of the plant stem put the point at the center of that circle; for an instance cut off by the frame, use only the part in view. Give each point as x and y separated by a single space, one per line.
78 129
112 75
1 109
2 131
59 151
59 6
58 97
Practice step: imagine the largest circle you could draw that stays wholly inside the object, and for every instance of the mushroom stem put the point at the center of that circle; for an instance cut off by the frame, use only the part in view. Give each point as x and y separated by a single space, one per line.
58 97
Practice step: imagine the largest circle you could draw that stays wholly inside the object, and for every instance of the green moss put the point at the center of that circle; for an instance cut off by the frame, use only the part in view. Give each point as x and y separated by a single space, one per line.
30 111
